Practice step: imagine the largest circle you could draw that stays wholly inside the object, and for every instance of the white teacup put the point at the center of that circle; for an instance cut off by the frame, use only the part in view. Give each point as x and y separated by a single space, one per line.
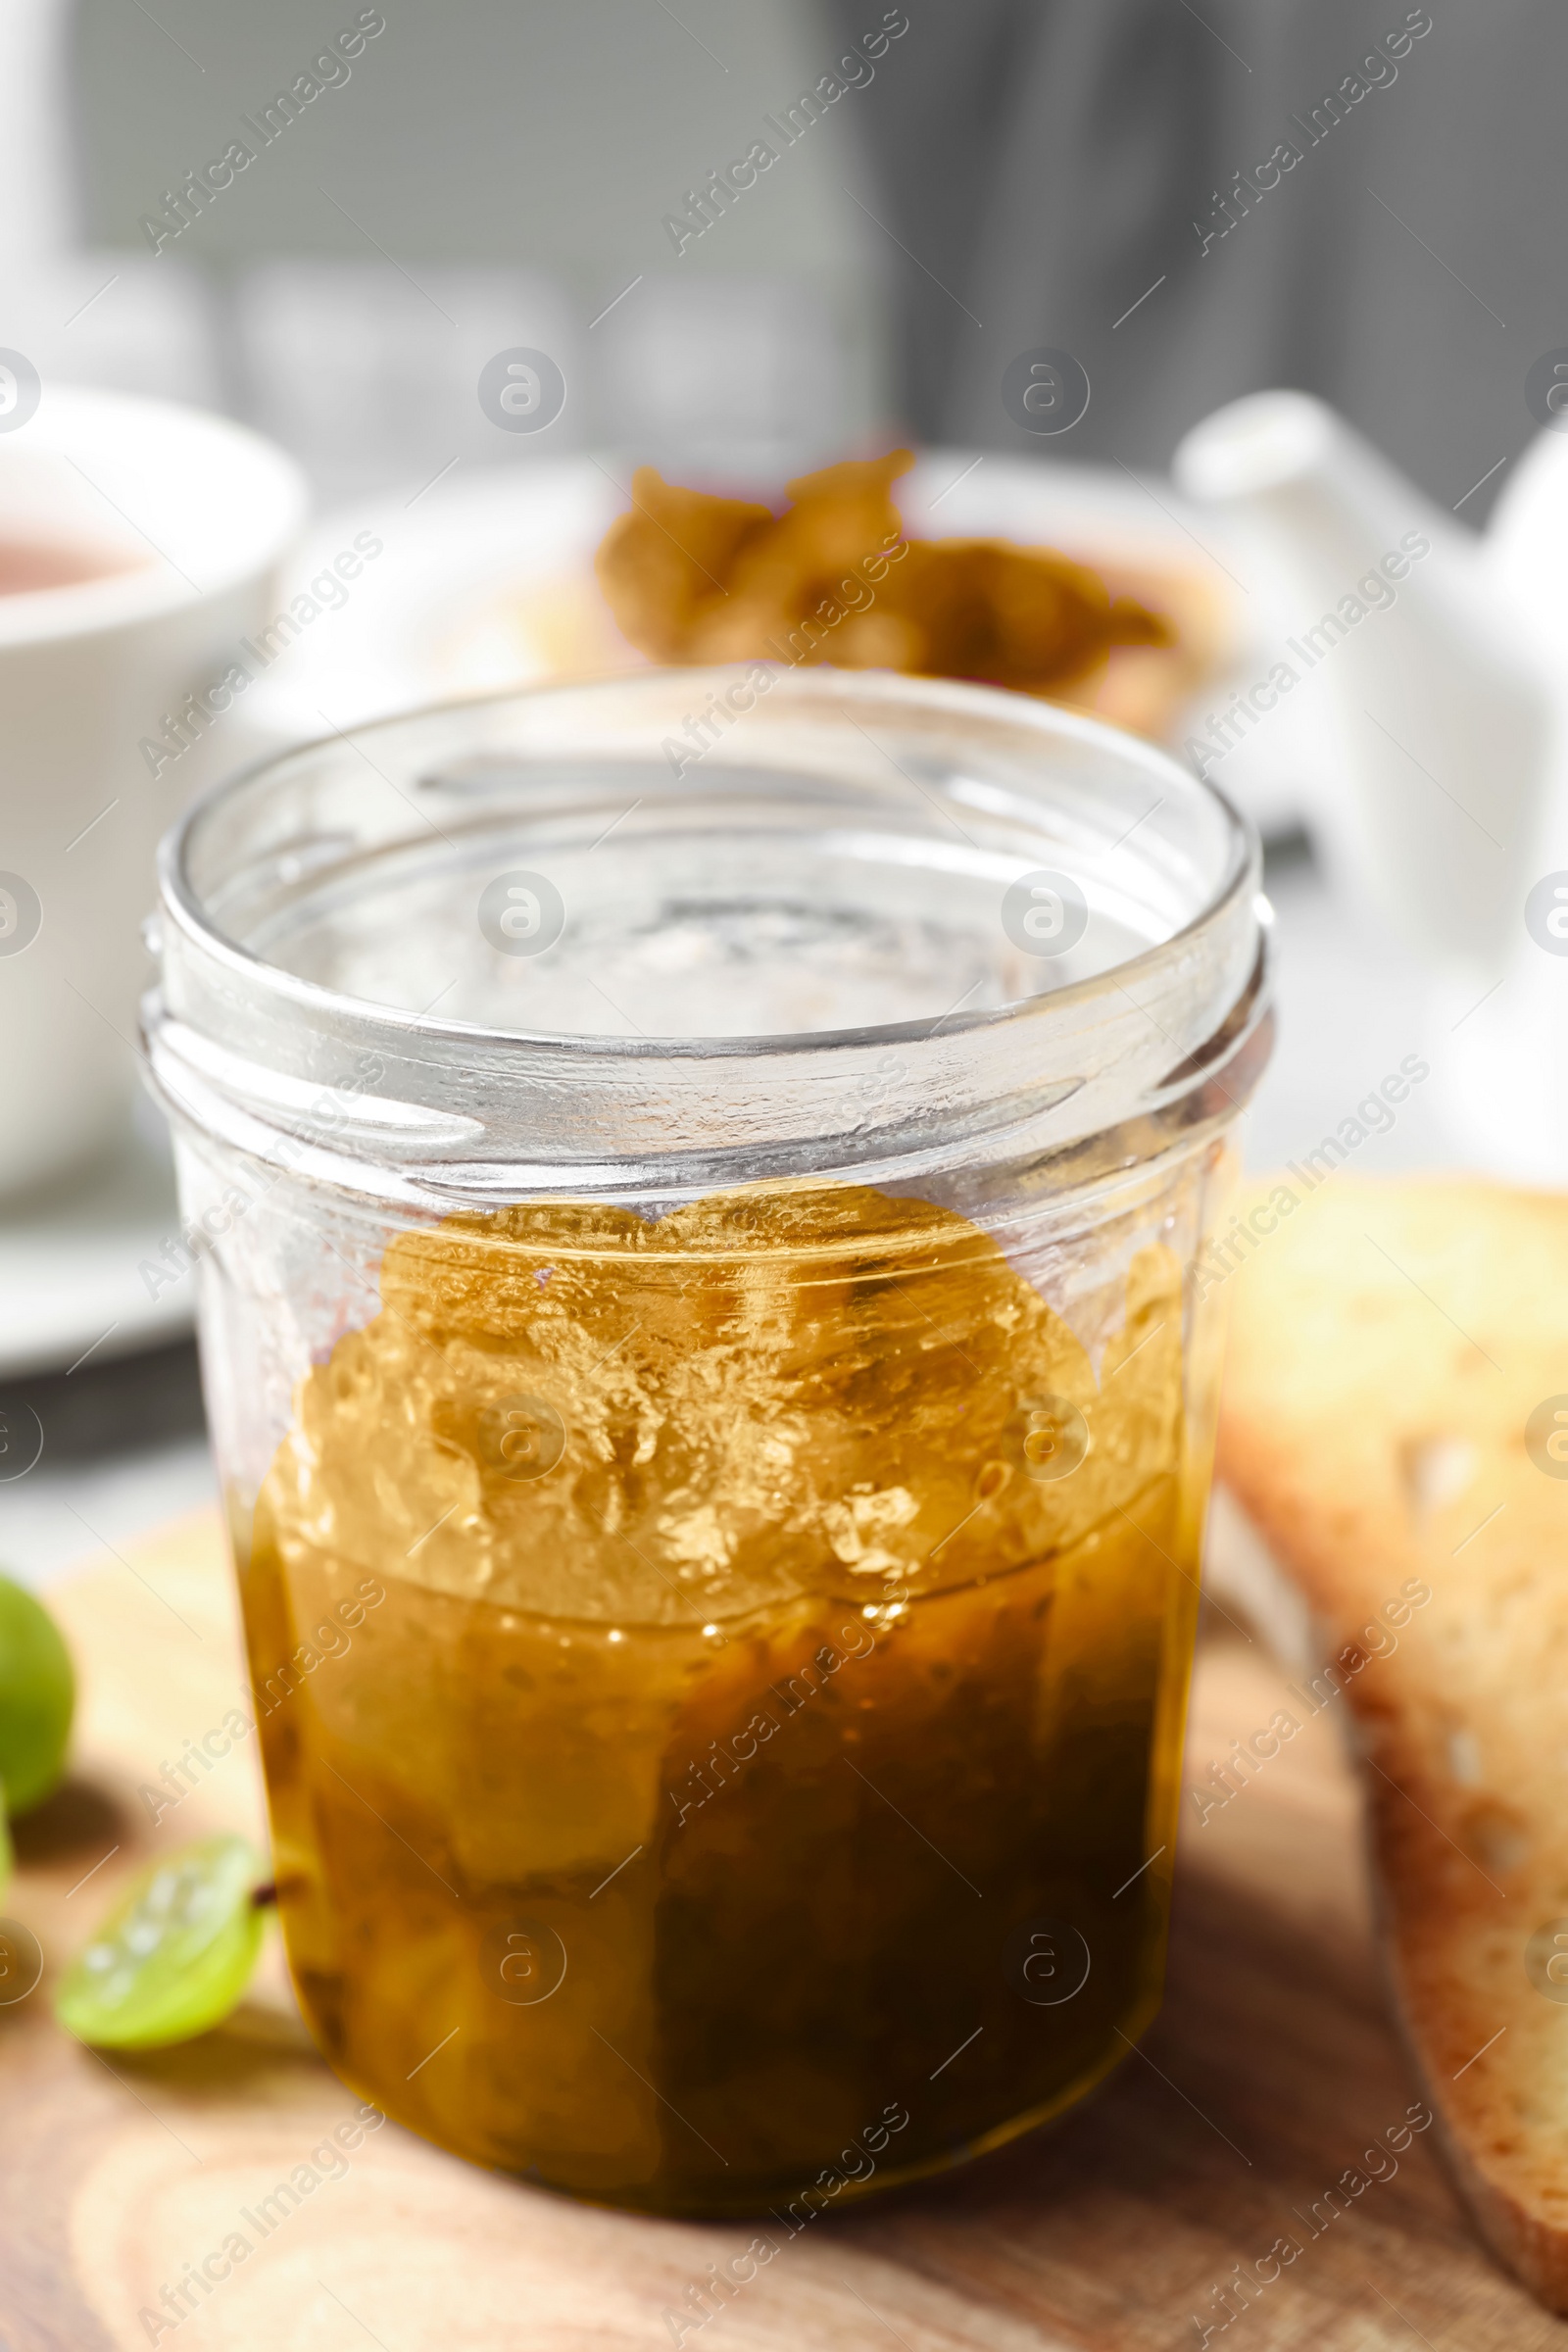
114 709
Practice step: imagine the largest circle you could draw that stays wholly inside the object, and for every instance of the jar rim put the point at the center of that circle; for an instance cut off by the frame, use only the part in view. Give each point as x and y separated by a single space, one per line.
240 1003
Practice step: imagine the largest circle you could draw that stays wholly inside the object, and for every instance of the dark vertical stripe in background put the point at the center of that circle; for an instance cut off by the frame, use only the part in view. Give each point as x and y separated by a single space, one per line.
1046 161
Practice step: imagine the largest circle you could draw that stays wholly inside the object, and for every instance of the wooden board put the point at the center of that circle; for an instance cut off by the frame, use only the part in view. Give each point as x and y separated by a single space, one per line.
1270 2072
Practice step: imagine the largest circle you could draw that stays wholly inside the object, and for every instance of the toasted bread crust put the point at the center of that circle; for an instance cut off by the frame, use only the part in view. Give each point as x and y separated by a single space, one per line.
1389 1345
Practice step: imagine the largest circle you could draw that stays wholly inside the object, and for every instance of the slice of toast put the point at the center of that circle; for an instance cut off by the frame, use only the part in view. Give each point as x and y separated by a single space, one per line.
1399 1360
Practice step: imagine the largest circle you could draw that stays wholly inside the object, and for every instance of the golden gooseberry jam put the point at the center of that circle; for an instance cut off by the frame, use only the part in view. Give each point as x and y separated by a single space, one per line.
763 1696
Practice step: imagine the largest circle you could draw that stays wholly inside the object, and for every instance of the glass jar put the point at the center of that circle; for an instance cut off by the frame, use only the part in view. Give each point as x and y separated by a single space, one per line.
696 1182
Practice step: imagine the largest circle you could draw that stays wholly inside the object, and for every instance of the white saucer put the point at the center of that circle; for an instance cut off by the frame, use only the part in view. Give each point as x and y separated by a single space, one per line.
71 1289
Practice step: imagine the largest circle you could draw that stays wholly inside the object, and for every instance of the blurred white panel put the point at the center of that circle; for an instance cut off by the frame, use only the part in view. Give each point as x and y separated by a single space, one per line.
744 374
369 373
122 322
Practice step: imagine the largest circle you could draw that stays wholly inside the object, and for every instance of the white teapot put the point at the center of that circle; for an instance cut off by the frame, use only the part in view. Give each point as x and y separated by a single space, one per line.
1438 662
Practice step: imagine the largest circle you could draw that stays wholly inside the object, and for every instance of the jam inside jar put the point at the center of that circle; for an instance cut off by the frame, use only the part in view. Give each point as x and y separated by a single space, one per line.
716 1418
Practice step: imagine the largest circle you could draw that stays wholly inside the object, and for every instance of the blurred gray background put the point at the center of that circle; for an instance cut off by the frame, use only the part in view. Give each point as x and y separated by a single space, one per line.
1012 173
